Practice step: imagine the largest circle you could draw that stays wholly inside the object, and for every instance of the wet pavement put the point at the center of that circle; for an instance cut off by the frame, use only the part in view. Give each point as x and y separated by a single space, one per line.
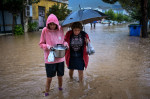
120 68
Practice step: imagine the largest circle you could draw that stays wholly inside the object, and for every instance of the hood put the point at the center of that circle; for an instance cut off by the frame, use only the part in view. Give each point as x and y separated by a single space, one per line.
52 18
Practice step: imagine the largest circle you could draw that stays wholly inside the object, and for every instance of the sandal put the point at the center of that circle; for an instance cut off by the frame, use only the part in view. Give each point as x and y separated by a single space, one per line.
46 94
60 89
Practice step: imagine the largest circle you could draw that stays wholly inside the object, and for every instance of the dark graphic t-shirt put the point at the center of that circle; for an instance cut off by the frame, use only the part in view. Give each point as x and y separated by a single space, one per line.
76 42
76 52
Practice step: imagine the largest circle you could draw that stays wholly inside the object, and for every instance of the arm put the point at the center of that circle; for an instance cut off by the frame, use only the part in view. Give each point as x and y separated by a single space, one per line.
42 43
66 39
67 36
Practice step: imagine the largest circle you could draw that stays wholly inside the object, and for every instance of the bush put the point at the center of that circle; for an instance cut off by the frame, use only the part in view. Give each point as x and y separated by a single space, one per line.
18 30
134 24
32 26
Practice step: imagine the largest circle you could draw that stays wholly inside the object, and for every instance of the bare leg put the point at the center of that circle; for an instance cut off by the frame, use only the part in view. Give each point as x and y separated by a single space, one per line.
80 72
60 80
91 25
71 73
48 83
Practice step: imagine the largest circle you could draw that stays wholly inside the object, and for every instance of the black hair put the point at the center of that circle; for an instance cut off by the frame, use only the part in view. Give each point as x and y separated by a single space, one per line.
77 25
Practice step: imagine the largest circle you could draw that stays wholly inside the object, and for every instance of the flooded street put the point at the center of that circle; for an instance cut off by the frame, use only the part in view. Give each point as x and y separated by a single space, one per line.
120 68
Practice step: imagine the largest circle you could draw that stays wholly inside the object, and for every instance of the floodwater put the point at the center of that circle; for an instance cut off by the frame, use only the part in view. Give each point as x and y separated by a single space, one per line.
120 68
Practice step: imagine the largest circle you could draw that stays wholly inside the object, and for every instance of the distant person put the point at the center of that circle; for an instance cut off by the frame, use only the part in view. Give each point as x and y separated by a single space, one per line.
52 35
76 56
93 23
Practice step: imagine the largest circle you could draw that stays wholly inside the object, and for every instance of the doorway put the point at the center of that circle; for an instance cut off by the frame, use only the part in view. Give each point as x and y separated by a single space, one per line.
41 17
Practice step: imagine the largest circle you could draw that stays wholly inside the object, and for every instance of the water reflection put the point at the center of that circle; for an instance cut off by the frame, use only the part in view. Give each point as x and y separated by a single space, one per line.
119 68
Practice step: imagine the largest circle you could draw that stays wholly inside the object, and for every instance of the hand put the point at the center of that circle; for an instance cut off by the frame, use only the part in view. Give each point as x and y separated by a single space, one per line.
86 40
52 49
48 46
66 45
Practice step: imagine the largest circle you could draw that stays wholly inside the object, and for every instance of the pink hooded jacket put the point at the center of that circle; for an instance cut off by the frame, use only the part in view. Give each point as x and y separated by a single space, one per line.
51 38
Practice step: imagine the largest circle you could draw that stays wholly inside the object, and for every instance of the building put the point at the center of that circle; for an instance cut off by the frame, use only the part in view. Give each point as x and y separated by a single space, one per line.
36 12
6 19
39 10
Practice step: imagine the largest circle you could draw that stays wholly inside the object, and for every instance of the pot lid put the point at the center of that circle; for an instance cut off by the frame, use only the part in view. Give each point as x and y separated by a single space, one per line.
59 47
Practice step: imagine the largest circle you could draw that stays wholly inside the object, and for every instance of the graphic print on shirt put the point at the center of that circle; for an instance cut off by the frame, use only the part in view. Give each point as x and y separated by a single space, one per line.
76 42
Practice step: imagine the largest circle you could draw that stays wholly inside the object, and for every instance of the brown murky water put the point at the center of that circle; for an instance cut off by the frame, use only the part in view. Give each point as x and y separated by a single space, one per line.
120 68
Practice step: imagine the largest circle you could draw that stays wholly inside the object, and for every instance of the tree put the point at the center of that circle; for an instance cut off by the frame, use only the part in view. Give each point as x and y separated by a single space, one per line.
119 17
149 12
135 14
144 18
60 10
15 7
148 9
111 14
126 18
133 7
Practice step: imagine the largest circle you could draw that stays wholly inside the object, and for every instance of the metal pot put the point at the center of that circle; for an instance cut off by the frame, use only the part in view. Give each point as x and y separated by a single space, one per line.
59 50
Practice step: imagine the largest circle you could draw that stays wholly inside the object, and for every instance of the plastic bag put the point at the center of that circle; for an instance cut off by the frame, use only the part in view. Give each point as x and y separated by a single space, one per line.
90 49
51 57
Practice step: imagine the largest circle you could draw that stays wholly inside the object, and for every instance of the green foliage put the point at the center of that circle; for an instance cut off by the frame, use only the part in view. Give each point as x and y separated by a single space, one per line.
117 16
60 10
111 14
126 18
133 7
32 26
16 6
138 9
13 6
135 14
18 30
134 24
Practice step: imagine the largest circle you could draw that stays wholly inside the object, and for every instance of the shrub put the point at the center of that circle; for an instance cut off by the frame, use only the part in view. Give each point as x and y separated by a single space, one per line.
32 26
18 30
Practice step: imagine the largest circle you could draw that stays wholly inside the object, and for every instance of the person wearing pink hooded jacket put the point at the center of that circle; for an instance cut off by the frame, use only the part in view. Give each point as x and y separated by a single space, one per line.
52 35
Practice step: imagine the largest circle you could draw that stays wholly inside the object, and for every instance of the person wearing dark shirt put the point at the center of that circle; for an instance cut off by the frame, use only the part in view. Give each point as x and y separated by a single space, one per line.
76 56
